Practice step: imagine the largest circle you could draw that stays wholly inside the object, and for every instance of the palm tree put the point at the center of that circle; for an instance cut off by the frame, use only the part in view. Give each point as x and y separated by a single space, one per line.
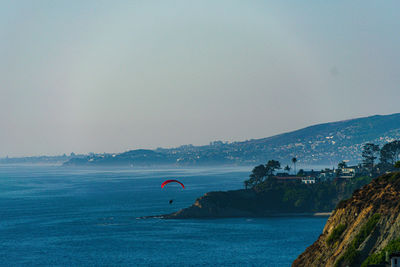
294 160
287 168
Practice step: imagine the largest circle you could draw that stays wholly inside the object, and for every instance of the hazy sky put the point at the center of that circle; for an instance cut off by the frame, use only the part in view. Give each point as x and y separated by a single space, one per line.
109 76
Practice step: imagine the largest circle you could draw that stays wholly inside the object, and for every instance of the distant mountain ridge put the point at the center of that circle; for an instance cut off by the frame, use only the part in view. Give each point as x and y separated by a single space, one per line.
326 143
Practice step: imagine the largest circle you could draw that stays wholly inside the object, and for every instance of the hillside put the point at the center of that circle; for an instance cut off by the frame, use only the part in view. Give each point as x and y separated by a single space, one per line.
361 229
326 143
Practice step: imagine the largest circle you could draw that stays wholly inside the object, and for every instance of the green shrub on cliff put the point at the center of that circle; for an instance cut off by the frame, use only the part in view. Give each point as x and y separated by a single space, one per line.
351 254
366 230
336 233
379 257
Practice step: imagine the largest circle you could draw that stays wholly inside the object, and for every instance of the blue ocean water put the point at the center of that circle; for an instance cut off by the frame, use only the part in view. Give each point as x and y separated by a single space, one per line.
56 216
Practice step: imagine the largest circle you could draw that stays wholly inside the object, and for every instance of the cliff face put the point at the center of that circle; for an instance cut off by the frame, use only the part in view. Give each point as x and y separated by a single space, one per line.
359 226
235 203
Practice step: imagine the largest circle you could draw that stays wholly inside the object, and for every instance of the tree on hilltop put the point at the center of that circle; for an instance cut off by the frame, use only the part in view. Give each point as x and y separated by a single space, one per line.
261 172
271 167
369 155
257 176
390 153
342 165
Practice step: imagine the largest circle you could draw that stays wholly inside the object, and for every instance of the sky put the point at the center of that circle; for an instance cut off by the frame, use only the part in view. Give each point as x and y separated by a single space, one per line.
110 76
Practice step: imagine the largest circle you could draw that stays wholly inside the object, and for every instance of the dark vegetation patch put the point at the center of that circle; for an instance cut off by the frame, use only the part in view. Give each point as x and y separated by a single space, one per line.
379 257
351 254
336 233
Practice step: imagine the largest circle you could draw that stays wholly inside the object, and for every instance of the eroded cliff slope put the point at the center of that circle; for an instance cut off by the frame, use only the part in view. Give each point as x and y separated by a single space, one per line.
360 228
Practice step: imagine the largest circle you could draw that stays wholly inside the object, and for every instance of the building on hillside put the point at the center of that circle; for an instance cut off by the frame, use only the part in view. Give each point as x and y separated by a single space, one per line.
348 172
302 179
308 180
327 174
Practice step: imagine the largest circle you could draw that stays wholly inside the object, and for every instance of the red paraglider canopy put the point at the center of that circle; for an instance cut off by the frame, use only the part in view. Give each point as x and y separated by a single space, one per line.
171 181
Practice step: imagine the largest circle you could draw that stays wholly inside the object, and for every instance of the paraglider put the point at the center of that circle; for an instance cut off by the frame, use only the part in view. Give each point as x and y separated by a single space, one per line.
171 181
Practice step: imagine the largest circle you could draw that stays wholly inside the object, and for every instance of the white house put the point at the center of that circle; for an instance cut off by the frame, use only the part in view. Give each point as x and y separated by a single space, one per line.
308 180
348 172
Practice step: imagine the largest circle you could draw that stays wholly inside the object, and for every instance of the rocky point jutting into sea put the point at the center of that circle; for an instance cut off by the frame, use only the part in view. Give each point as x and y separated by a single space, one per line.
236 203
271 198
361 230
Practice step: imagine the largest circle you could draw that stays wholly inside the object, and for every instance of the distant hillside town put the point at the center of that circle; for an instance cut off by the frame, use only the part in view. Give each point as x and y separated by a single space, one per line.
323 144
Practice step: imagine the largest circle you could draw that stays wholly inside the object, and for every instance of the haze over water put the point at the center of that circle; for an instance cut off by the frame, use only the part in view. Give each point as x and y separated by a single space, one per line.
57 216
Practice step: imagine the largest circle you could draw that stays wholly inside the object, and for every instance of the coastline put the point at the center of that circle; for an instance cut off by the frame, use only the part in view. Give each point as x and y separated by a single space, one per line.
323 214
302 214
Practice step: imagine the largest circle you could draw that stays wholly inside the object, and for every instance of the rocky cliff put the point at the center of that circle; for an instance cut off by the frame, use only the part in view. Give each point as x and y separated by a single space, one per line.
361 228
235 203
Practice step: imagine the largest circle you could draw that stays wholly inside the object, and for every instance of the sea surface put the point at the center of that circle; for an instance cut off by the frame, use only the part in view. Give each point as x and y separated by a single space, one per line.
57 216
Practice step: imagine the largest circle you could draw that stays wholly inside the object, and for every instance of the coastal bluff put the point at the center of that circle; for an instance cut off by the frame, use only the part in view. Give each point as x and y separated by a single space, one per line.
270 198
362 230
242 203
